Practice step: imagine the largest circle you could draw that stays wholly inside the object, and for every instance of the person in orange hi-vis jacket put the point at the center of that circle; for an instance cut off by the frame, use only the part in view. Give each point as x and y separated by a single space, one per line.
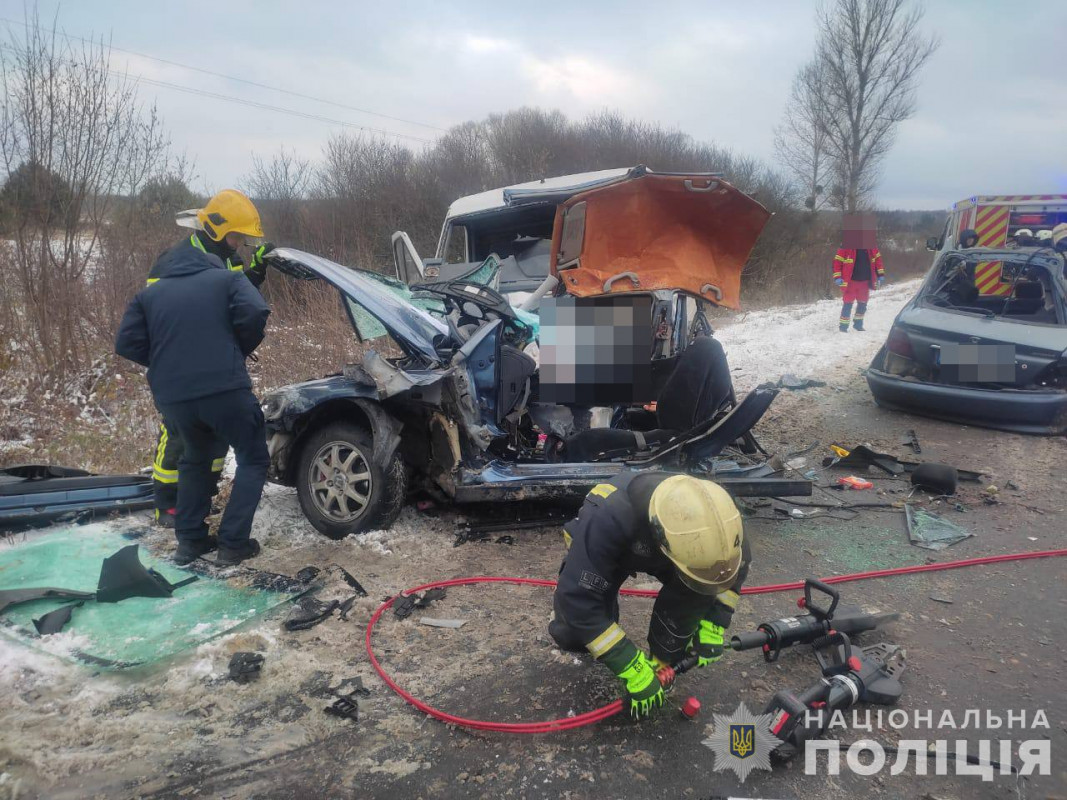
857 268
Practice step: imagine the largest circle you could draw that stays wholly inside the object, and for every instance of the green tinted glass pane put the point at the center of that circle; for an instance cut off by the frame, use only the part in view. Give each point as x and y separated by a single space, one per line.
134 631
366 323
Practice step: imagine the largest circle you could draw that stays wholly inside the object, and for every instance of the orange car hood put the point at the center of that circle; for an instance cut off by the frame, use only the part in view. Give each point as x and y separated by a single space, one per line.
687 232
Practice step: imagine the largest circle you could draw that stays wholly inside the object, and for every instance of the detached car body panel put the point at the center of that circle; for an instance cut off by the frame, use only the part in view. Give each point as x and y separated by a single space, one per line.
999 361
617 230
690 233
35 494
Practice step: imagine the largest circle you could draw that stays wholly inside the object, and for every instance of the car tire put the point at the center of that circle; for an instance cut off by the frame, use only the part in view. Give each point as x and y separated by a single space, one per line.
342 489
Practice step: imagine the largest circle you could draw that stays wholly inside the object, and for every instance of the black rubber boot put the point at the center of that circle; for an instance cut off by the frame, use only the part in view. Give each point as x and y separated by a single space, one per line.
191 549
231 556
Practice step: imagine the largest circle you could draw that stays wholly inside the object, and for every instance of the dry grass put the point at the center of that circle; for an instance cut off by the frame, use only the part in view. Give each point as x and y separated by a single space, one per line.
807 277
103 419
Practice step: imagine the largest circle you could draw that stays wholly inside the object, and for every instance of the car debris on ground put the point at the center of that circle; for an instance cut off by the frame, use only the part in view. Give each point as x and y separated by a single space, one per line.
406 604
930 530
33 495
442 623
793 383
246 667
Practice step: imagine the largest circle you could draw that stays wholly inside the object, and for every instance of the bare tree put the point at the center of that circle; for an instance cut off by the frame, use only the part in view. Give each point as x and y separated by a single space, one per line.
867 62
280 188
74 120
365 189
800 141
528 143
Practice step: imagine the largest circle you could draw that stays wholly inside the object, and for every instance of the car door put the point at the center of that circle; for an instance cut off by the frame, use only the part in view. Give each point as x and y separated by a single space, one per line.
406 260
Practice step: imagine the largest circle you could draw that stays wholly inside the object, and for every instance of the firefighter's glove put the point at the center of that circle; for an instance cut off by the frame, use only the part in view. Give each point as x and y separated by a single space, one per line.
839 282
708 643
644 693
259 255
256 271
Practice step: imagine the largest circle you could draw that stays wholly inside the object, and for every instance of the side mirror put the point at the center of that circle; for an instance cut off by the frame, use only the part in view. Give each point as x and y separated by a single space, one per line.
432 268
932 243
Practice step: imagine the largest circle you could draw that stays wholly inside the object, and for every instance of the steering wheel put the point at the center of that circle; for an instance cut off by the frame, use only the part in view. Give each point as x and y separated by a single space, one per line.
470 300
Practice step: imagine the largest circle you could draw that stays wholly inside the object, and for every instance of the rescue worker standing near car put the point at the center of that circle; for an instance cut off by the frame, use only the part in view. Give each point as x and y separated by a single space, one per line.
208 237
684 531
857 268
193 326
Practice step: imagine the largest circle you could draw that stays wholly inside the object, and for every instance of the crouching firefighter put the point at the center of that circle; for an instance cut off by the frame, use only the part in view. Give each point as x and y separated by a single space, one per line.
683 531
221 227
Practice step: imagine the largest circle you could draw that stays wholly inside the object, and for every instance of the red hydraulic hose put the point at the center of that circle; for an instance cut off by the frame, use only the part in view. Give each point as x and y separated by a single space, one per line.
611 709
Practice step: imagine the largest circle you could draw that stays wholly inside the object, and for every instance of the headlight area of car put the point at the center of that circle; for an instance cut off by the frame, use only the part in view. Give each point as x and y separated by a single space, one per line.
272 406
900 357
1055 377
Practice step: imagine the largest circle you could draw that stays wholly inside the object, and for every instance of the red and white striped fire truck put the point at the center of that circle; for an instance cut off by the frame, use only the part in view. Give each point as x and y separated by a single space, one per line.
996 218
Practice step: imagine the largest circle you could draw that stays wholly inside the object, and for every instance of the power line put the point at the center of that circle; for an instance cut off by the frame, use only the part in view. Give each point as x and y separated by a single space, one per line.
251 103
267 107
71 37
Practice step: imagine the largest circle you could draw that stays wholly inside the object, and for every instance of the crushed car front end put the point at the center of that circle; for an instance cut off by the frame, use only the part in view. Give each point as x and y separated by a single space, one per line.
463 412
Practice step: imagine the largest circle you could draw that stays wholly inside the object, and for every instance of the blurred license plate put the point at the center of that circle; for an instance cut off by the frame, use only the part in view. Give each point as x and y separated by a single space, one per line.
977 363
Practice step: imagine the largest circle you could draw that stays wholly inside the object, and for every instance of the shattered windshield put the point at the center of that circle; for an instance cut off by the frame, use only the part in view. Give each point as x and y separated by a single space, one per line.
369 326
1018 289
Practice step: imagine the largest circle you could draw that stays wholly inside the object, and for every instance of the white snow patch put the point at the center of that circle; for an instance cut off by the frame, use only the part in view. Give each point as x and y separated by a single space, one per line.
373 540
804 339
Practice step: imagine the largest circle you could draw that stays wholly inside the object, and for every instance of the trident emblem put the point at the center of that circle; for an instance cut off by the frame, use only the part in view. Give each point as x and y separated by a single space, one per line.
742 738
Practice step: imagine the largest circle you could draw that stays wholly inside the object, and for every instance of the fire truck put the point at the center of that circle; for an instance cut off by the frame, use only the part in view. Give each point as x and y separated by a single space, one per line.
996 218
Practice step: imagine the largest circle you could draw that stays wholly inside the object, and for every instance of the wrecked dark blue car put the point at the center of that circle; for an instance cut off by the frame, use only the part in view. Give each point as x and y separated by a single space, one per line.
458 413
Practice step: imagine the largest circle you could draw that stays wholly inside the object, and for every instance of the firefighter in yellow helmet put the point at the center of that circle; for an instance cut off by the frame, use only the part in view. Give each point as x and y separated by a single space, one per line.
227 222
684 531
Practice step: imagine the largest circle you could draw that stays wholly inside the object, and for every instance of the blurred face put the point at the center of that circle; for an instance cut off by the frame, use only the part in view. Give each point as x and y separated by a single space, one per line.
859 232
235 240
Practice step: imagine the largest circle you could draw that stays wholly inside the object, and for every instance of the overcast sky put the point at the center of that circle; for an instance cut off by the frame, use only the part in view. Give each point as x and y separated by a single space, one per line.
992 107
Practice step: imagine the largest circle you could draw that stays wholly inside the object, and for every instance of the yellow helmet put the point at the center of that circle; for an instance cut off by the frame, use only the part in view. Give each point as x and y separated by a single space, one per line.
698 527
227 212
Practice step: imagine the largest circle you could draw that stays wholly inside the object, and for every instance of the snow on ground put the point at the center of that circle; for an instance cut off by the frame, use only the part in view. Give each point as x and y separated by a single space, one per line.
804 339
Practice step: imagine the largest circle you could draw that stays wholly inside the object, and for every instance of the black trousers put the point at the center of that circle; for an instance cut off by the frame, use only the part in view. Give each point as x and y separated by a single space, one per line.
208 425
165 457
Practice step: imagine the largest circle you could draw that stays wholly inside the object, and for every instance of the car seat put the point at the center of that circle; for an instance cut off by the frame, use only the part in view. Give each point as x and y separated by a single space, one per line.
697 390
513 378
1028 298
